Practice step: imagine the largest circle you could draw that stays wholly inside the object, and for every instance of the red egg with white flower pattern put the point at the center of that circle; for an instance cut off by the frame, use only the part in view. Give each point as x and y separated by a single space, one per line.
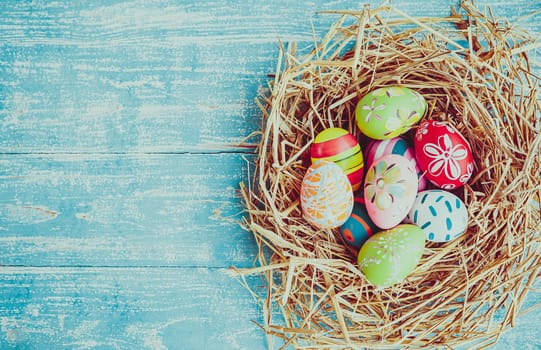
443 154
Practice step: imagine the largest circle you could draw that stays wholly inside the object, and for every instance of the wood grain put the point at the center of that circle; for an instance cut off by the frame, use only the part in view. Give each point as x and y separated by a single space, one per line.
129 210
159 76
125 308
119 166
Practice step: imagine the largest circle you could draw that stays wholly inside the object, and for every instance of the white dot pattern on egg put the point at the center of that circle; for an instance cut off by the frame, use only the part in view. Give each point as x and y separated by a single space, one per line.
440 214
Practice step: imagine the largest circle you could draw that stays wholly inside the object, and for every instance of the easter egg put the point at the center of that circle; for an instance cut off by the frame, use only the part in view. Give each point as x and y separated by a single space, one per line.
326 196
440 214
389 111
358 227
397 145
341 147
389 190
388 257
443 154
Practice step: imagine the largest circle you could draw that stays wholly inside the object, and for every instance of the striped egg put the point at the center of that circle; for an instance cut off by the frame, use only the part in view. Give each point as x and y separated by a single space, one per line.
339 146
397 145
326 196
440 214
358 227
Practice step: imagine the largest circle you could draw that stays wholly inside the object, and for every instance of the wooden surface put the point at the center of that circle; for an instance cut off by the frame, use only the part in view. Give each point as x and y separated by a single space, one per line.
119 169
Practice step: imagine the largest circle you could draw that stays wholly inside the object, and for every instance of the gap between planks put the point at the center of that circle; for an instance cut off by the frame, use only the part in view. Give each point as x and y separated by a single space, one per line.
77 269
249 150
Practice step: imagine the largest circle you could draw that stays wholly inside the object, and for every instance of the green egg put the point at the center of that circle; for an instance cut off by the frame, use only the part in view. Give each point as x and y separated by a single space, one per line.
389 111
388 257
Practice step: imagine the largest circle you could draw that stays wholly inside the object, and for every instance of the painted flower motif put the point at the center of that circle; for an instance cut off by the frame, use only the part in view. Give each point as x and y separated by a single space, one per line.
373 109
418 99
389 91
423 130
387 245
401 122
445 157
449 127
469 171
383 186
366 262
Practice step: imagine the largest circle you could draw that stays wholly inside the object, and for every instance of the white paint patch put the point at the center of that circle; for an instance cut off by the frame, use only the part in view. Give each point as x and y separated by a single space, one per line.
204 253
149 81
151 111
33 309
85 330
8 326
138 14
83 344
163 193
61 319
59 247
151 336
18 105
153 340
232 338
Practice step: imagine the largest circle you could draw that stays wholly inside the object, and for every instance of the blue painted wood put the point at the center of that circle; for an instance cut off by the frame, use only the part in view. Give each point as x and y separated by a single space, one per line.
119 124
123 210
125 308
160 76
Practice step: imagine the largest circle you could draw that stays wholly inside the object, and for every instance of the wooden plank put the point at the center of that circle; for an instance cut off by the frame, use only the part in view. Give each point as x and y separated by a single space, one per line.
158 109
160 76
101 85
119 308
147 308
526 333
120 210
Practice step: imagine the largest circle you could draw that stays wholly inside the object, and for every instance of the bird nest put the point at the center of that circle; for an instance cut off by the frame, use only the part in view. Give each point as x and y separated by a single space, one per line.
475 73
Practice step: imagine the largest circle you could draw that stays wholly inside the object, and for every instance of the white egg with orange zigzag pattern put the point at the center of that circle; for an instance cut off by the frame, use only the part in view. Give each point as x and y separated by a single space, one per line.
326 195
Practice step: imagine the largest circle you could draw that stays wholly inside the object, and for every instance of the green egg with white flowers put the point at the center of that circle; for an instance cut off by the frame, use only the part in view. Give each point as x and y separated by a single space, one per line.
388 257
389 111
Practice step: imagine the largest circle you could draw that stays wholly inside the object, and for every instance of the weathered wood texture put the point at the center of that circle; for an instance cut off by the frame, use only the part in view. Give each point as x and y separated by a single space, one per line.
147 76
125 308
123 210
119 166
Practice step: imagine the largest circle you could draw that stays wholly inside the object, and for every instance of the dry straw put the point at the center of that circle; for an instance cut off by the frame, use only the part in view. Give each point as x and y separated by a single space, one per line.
475 72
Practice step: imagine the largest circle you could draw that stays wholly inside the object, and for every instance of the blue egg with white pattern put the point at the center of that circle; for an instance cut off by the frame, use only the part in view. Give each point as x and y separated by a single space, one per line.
440 214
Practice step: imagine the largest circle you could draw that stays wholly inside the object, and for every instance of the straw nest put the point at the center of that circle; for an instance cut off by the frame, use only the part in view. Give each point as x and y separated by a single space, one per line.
475 72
